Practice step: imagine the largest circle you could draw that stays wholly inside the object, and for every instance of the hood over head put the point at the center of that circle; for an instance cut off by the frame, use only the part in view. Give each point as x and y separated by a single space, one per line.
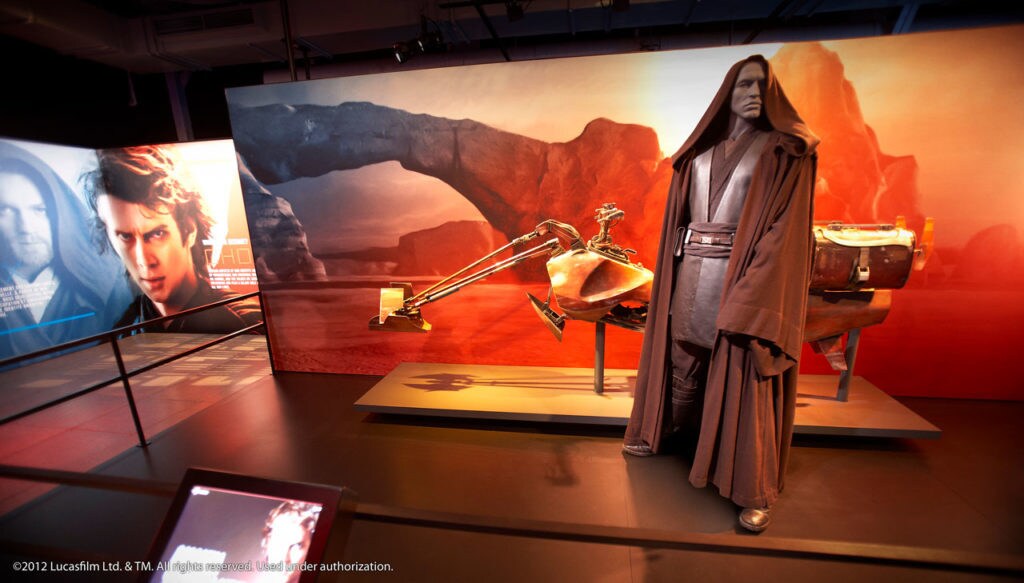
75 257
776 113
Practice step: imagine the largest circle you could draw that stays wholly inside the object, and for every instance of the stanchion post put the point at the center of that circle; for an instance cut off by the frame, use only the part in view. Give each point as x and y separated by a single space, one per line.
128 391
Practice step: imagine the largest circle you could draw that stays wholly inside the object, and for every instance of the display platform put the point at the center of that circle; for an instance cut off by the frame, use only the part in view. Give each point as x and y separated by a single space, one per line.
566 395
516 393
868 412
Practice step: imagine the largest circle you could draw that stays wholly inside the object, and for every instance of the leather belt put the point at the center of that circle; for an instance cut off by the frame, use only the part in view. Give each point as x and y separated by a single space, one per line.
724 239
706 240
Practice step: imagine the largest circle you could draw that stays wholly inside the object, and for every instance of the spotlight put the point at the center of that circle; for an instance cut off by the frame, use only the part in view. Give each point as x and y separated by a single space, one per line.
430 42
514 10
402 52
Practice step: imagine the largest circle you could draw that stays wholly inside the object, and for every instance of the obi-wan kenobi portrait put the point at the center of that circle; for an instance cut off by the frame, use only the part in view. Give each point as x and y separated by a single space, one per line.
718 368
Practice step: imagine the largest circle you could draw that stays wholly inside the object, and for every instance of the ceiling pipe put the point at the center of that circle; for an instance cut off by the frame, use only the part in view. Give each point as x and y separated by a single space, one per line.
479 6
770 19
490 28
286 24
906 18
269 54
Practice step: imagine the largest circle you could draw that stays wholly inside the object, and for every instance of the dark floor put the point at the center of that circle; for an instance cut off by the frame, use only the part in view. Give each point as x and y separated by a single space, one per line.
81 433
962 493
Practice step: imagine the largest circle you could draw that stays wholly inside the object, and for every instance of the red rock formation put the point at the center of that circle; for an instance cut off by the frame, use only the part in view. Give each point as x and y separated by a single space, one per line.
445 249
858 183
609 162
279 244
516 181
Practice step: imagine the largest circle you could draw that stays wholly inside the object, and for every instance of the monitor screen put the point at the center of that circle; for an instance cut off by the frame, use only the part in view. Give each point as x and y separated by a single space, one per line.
226 527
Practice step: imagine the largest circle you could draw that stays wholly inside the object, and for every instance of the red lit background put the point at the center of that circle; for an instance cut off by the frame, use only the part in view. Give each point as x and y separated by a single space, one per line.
916 125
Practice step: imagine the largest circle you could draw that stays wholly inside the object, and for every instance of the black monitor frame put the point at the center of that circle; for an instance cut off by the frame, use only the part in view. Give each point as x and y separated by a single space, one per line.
333 500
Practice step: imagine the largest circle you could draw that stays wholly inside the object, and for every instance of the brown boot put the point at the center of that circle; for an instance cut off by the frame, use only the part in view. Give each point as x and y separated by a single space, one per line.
639 450
755 519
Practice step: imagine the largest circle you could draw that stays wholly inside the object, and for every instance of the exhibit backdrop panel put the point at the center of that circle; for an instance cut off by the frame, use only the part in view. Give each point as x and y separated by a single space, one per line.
209 168
59 280
54 286
356 182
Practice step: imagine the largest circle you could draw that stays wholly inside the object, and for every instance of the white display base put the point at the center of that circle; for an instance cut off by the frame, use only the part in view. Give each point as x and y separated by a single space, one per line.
566 395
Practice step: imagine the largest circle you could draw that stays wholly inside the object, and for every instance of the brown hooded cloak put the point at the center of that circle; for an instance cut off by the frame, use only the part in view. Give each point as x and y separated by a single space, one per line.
749 403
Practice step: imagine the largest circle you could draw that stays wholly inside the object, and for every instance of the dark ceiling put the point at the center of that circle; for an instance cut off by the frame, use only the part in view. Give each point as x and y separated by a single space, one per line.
102 73
147 36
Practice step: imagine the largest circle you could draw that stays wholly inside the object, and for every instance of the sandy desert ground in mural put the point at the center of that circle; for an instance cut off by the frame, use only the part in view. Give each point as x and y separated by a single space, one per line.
325 329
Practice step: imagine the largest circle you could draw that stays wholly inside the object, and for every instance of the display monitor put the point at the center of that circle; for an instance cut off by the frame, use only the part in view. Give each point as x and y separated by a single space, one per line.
230 527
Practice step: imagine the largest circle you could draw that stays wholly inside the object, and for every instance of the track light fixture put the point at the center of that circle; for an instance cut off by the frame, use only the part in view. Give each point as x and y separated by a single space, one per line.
429 41
402 52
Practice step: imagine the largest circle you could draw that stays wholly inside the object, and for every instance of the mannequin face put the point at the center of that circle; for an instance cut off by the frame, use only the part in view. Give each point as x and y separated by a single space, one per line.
746 93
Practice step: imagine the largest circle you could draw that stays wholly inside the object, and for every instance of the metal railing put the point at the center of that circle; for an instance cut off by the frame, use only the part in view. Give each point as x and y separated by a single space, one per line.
123 373
829 551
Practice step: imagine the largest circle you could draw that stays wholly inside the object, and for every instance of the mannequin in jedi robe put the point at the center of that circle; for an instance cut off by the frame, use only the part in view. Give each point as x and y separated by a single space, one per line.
727 309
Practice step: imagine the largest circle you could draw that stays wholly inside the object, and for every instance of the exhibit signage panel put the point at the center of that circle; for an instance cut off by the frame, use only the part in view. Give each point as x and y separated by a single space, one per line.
65 275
